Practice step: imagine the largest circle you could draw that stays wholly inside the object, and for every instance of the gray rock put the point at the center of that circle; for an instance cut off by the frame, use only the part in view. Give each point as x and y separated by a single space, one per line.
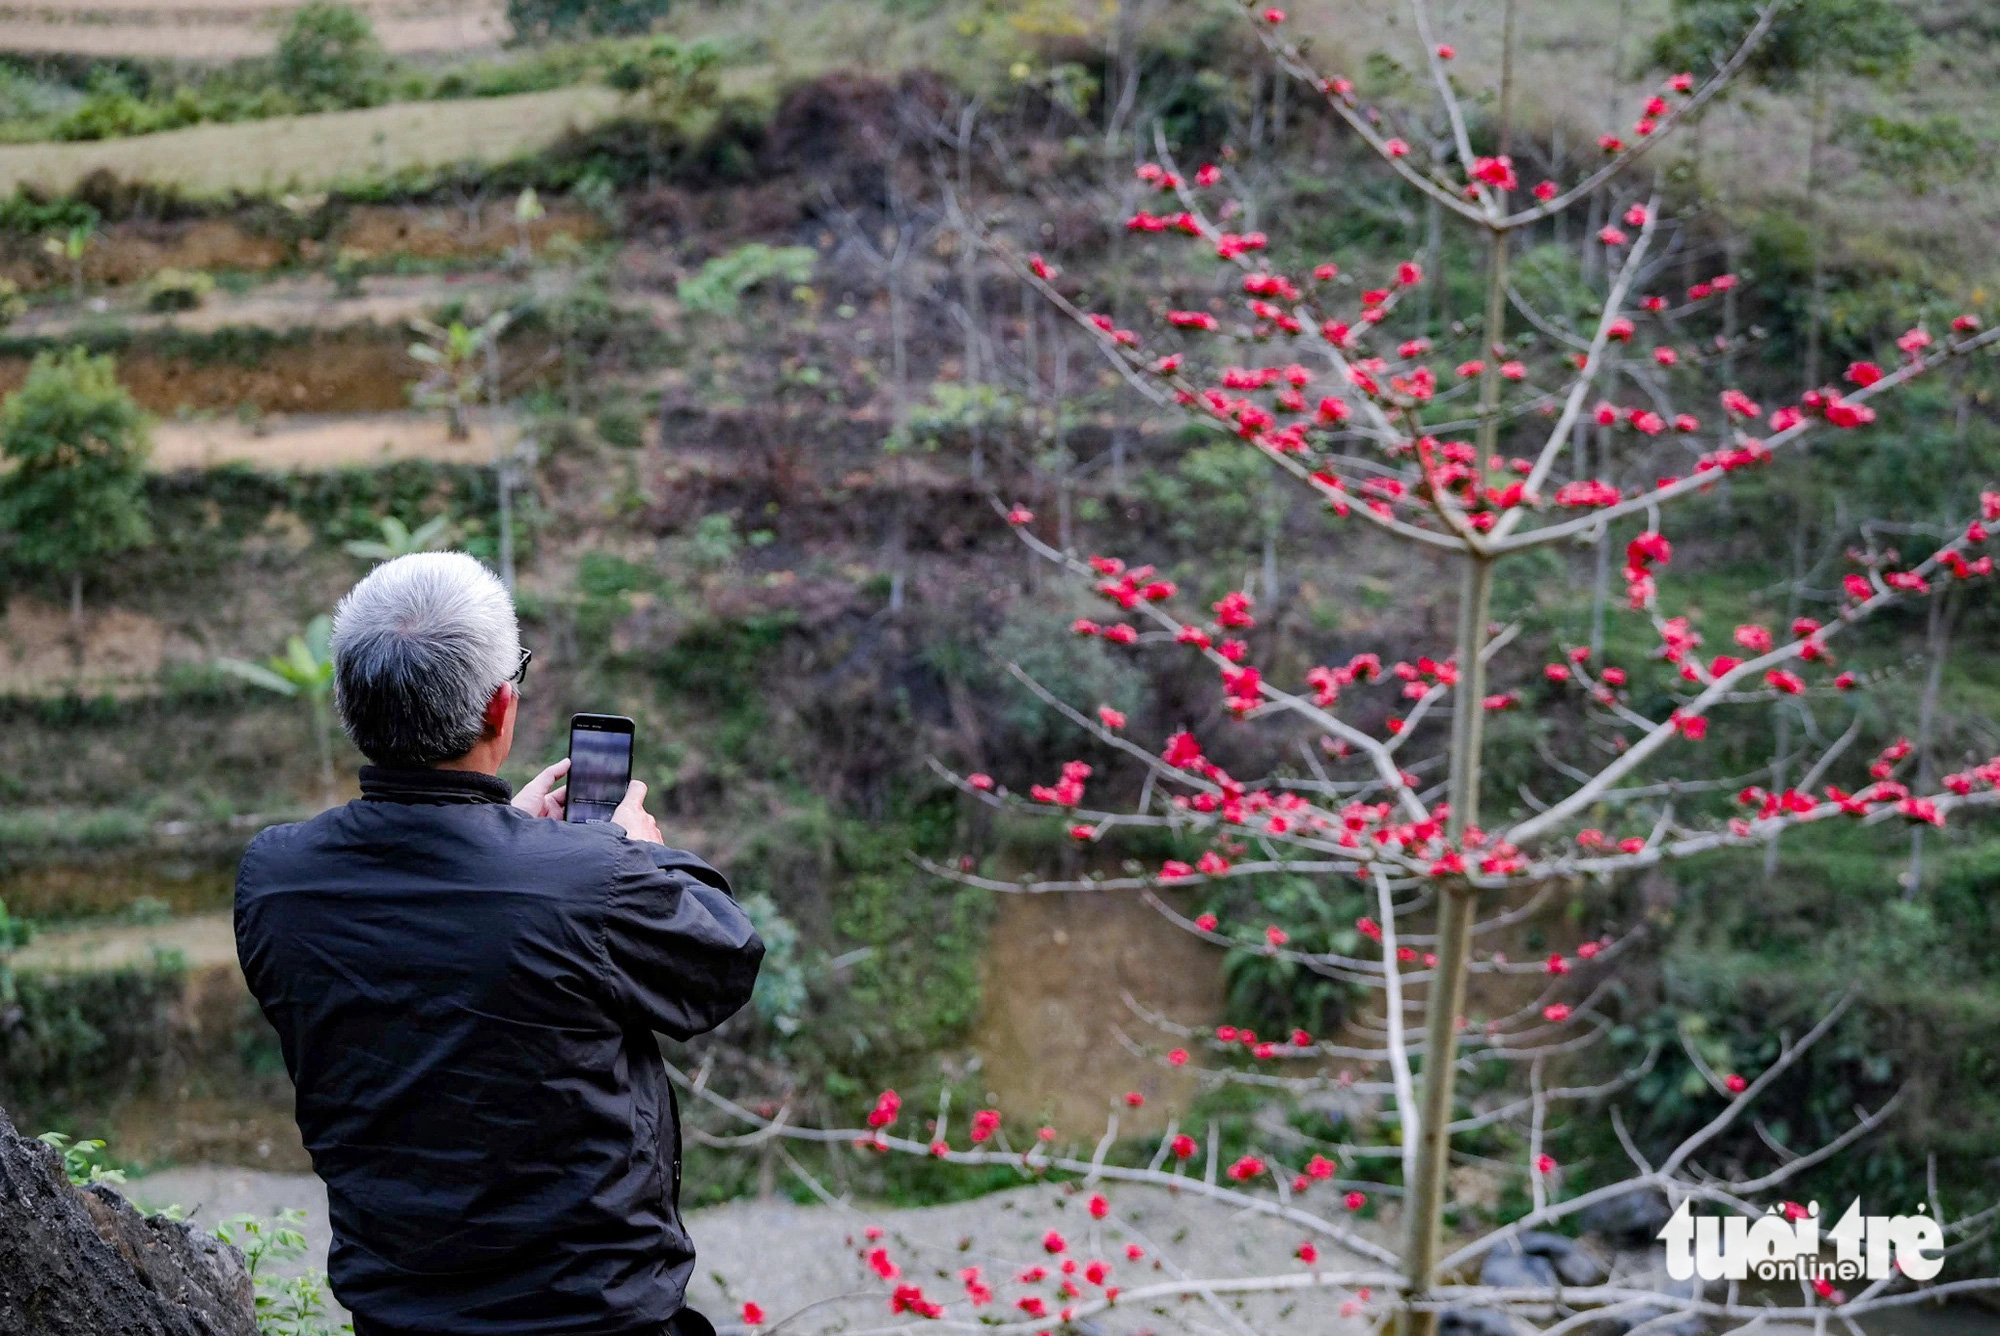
82 1262
1630 1220
1573 1266
1684 1324
1538 1259
1474 1322
1508 1268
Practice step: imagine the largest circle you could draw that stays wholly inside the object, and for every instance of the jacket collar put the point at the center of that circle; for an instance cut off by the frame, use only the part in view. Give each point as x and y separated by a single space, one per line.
393 784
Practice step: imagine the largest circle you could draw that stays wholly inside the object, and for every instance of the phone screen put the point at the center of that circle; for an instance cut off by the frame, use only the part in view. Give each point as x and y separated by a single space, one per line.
600 766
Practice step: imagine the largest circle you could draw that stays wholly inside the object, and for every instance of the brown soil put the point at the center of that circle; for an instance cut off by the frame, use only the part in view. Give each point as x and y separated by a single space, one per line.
128 253
361 370
110 651
1057 973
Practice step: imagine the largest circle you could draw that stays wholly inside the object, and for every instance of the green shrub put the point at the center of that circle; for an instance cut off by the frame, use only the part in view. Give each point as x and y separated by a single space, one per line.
328 57
539 20
89 1036
177 290
718 287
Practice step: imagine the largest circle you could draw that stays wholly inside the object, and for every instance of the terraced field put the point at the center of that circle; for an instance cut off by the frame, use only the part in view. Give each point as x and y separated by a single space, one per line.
229 29
312 152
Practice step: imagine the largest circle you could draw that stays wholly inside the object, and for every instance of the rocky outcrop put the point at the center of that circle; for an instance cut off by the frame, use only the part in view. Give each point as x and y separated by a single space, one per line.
83 1262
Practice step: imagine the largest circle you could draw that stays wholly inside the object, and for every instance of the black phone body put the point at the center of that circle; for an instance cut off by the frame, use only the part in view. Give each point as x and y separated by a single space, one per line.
600 765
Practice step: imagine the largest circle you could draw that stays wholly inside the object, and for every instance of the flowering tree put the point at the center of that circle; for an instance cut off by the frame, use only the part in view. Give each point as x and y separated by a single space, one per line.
1473 454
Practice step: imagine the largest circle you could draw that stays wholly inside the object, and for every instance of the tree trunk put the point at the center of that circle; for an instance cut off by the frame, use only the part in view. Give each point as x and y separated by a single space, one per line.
1445 999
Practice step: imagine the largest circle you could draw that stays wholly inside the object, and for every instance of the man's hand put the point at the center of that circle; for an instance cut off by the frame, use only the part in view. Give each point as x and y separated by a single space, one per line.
540 796
632 815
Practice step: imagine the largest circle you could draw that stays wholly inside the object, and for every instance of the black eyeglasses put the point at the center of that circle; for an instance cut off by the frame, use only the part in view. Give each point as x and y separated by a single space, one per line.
520 673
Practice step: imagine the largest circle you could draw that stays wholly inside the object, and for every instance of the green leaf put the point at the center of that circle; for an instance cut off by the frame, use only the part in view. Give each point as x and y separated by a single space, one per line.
258 675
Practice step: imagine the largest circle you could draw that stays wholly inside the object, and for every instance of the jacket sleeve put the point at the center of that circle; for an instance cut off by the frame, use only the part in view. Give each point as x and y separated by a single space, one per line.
683 955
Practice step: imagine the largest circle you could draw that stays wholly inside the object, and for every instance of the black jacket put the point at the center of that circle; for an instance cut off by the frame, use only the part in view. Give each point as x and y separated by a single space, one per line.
467 998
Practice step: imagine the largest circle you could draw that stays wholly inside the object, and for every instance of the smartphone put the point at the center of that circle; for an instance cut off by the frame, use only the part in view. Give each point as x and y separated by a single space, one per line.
600 765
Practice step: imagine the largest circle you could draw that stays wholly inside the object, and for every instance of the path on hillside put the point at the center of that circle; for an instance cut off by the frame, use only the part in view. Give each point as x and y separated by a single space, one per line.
294 302
783 1256
203 940
232 29
309 442
318 151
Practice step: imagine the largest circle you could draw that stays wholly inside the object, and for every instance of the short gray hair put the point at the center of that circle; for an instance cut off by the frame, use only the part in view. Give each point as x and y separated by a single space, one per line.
419 646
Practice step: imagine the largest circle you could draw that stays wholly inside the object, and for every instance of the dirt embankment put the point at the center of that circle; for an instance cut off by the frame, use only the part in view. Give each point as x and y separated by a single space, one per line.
256 240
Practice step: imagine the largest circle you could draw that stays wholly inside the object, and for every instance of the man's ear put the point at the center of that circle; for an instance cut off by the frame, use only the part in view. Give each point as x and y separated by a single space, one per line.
500 709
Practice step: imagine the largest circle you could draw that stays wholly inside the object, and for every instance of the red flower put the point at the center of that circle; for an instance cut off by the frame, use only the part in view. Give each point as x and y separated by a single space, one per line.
1110 718
1020 515
1396 148
1232 611
1177 1058
1496 172
887 1105
1556 1013
1184 1149
880 1261
1307 1253
1246 1169
1446 51
1054 1242
1545 1164
1735 1084
1356 1200
1545 191
753 1316
1274 16
1133 1100
981 782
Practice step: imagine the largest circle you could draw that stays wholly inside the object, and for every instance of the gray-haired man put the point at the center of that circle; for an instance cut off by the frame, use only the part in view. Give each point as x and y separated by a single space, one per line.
467 988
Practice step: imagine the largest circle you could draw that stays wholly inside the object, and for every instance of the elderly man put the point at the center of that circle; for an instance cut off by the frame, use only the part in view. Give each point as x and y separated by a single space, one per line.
467 989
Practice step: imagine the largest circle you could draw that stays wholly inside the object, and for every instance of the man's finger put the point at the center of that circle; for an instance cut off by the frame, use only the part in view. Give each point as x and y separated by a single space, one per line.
555 804
532 792
635 792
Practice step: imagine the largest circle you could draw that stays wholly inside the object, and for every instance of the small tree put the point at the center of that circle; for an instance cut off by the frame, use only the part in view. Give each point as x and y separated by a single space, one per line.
69 248
74 496
399 539
328 56
528 211
458 355
303 672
